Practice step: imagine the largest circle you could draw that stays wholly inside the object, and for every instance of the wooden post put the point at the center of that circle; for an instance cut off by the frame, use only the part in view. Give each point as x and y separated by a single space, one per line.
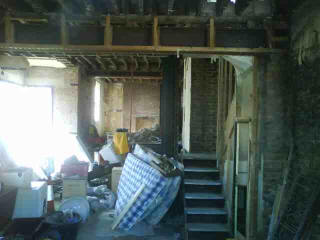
108 32
225 91
212 32
220 105
269 30
156 32
218 109
9 29
64 31
231 87
254 161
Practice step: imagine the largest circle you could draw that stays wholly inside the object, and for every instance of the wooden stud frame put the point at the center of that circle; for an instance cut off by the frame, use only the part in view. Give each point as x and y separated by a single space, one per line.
108 47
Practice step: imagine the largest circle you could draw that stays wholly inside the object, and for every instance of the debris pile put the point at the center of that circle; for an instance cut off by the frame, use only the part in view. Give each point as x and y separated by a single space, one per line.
146 135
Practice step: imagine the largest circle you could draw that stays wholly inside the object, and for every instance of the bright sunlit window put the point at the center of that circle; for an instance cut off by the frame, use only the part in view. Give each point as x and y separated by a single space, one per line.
27 134
97 91
45 62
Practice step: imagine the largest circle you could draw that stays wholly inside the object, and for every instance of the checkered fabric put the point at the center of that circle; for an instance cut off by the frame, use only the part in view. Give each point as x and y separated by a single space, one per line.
164 201
134 173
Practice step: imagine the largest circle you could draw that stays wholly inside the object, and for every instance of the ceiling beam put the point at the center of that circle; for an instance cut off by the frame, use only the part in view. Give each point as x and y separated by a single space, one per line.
113 64
65 8
125 64
135 62
135 77
138 5
126 74
88 6
147 19
114 7
101 63
37 6
90 63
108 80
167 50
80 61
147 66
170 7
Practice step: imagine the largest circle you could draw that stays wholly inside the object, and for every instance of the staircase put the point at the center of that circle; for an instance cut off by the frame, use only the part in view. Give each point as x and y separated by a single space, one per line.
205 215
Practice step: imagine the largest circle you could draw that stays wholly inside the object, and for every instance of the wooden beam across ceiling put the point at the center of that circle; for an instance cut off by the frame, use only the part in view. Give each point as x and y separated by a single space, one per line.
66 47
169 50
163 20
113 74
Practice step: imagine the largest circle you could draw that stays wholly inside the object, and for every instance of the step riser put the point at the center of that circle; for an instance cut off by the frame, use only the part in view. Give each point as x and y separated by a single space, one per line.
200 163
207 218
207 235
203 188
212 203
202 175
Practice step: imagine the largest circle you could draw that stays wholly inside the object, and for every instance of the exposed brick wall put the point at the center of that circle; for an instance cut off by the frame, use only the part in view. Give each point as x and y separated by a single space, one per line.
305 79
204 97
306 115
304 83
275 125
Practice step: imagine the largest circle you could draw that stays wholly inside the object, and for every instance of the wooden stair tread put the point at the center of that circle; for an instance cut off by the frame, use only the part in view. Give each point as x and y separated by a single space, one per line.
199 156
206 196
207 227
201 169
206 211
202 182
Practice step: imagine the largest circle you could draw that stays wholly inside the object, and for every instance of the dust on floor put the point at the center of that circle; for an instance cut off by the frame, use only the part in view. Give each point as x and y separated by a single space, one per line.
98 227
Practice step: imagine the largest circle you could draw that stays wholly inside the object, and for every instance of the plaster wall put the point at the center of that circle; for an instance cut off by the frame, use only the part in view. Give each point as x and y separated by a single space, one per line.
64 84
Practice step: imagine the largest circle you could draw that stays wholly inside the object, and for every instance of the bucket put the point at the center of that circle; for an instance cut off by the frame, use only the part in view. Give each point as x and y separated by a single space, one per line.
26 227
67 226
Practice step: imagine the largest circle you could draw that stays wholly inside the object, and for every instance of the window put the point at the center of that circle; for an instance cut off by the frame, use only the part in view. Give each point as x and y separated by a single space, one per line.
97 98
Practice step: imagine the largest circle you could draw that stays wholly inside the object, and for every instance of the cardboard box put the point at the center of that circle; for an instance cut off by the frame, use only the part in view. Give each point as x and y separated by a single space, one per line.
75 171
115 178
74 188
32 202
17 177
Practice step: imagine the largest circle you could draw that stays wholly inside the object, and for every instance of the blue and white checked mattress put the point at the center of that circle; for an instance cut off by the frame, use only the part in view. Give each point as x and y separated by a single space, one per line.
155 199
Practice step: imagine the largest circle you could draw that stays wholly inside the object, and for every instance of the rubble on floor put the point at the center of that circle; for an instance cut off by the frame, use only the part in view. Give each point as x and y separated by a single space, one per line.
129 205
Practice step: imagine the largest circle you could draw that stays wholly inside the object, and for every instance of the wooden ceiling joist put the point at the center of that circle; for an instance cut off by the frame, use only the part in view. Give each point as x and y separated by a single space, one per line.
37 6
120 57
101 63
89 8
124 64
166 50
65 6
136 77
89 62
